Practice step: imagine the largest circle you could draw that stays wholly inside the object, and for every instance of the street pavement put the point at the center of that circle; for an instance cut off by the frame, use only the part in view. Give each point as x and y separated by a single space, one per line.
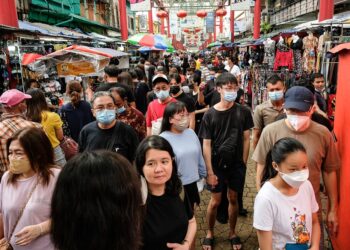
244 227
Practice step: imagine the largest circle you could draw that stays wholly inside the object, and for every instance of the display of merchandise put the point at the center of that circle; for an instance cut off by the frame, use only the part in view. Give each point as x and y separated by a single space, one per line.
310 44
269 49
284 57
297 46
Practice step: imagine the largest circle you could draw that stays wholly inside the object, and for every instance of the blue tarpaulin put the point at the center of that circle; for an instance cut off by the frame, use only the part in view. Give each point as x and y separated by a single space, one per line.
29 26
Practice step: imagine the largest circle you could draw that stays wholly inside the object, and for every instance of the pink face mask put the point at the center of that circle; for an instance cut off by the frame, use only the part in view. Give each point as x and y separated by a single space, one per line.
298 121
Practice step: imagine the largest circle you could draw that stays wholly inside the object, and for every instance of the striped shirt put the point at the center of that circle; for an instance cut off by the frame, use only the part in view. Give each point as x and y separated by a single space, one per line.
9 124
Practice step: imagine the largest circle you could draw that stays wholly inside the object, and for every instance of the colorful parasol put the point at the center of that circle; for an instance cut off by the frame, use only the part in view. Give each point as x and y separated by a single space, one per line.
149 40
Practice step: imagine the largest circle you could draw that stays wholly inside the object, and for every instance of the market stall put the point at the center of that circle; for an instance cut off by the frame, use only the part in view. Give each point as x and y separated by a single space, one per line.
341 129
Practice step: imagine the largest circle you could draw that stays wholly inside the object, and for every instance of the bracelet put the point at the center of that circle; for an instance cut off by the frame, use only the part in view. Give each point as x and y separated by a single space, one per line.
184 241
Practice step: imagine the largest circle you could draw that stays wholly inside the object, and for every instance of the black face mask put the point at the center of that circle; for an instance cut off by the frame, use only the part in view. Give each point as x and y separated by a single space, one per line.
174 89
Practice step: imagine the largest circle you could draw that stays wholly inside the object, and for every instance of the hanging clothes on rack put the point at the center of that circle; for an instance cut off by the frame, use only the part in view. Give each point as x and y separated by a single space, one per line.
310 44
269 49
297 46
284 57
325 37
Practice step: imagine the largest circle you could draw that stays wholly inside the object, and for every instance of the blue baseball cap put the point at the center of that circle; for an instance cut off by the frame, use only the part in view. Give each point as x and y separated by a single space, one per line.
299 98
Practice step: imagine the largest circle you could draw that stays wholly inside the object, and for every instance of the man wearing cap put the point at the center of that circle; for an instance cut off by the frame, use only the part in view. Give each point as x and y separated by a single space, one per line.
322 155
156 108
12 120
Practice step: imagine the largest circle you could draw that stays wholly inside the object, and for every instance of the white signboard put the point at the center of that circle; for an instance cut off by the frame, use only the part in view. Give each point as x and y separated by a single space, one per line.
173 23
242 5
140 5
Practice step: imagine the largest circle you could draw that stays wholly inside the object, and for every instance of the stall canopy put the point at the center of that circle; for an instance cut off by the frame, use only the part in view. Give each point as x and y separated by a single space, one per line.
338 19
104 38
61 31
46 29
31 27
78 60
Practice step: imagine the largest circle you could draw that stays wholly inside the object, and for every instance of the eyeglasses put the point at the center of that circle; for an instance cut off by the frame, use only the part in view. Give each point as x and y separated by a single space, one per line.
102 107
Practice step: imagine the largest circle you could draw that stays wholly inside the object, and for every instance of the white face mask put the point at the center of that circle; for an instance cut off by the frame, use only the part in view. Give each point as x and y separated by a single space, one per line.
299 121
295 179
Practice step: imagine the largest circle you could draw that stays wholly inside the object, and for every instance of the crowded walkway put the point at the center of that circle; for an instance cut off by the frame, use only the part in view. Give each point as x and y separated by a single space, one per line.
197 138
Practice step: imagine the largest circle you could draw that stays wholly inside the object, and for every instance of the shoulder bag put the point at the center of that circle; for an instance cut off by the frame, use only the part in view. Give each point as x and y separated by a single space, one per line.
6 245
223 155
114 138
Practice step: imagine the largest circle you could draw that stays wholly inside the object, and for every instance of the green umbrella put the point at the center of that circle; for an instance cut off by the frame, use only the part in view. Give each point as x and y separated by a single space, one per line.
214 44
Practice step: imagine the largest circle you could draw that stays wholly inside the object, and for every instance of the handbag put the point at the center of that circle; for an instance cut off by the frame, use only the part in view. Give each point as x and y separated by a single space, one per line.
7 245
69 147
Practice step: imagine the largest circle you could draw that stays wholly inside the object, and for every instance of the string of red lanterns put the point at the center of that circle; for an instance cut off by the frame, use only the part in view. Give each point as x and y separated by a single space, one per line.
221 12
181 14
201 13
162 14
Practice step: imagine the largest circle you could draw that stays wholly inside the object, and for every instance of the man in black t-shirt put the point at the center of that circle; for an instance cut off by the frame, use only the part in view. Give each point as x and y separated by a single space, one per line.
208 94
106 132
177 92
225 130
111 78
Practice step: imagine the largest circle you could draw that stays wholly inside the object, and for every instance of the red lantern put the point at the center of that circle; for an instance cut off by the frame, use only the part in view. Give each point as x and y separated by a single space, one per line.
201 13
181 14
197 30
162 14
186 30
221 12
195 36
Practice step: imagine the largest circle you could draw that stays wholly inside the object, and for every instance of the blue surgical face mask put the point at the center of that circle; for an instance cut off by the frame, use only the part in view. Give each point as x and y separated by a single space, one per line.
276 95
162 95
121 110
106 116
230 96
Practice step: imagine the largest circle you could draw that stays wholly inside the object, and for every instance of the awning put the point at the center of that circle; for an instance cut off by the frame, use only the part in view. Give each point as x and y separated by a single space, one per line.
50 30
340 19
112 33
31 27
61 31
104 38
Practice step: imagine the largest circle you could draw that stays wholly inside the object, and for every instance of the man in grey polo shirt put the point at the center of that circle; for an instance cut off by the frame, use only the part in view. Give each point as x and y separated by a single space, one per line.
268 111
323 158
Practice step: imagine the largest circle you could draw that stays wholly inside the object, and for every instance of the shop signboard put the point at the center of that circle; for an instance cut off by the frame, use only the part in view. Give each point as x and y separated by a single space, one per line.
210 22
140 5
242 5
173 23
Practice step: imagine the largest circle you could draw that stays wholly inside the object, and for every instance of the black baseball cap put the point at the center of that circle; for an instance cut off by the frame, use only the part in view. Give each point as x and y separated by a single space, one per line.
159 78
299 98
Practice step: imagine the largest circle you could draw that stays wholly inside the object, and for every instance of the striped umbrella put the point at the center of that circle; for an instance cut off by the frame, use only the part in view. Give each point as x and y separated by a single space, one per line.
149 40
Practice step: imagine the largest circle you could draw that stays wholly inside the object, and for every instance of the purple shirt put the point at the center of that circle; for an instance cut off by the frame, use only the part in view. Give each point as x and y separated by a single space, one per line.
12 199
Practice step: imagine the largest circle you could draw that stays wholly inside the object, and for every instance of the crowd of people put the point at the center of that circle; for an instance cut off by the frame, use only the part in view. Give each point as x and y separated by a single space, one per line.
144 140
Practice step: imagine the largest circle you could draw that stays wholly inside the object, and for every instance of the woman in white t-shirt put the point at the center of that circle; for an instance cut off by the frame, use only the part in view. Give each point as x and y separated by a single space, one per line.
232 67
285 209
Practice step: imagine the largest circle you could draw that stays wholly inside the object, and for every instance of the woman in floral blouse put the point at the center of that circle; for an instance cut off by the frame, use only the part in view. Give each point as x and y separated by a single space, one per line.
127 114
